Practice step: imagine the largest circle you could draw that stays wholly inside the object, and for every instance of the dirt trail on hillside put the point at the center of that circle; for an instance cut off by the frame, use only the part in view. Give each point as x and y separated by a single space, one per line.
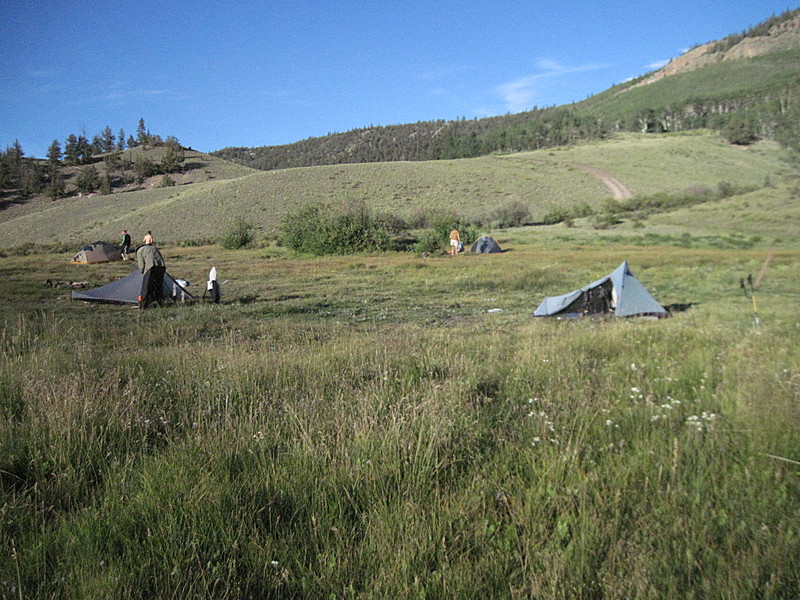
618 190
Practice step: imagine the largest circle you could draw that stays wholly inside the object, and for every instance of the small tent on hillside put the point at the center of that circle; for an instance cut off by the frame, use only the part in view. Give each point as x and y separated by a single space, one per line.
99 252
127 290
619 294
486 245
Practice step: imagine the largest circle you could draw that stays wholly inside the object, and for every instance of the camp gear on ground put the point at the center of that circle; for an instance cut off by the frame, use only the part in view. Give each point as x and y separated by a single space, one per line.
213 289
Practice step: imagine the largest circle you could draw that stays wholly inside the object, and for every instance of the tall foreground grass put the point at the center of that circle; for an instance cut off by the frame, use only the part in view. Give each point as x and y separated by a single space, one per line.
237 452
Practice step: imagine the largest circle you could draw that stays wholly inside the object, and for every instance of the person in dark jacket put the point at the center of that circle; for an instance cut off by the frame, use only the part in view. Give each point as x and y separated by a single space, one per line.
152 266
126 244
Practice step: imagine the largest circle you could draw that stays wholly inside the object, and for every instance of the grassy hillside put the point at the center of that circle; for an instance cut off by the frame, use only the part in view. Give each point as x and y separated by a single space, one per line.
195 167
541 180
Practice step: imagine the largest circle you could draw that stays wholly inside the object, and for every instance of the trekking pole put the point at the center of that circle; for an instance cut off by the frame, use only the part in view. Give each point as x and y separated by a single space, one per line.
754 285
751 292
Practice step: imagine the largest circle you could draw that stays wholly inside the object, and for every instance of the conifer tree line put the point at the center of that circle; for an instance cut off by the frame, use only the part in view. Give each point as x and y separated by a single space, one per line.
741 120
30 176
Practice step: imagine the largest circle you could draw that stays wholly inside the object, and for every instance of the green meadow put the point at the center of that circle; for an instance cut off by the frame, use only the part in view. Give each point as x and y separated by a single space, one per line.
372 426
395 426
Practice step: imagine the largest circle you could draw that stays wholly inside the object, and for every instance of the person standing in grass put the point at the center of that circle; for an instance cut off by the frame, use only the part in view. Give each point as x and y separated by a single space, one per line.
152 266
455 240
126 244
148 238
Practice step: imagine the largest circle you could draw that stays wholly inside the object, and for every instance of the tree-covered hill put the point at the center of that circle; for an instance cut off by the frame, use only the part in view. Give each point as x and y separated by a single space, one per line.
745 85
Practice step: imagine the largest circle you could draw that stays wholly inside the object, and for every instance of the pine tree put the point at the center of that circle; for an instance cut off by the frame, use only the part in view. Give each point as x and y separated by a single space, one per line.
55 182
88 179
173 155
121 140
56 187
108 139
72 154
54 155
105 184
15 154
142 136
31 178
84 150
98 145
13 166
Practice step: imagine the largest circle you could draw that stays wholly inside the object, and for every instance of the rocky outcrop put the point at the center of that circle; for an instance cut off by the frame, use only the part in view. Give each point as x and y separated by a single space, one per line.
783 34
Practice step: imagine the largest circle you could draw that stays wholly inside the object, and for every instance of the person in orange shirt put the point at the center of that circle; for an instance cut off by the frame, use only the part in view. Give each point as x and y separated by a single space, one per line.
455 240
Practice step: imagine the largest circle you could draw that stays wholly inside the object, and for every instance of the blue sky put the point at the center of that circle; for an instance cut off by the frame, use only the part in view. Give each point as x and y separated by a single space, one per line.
217 74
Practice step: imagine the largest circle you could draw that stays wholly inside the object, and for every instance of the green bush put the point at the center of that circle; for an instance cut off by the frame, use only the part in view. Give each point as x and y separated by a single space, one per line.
557 214
195 243
166 181
741 129
562 214
605 220
512 214
239 235
321 228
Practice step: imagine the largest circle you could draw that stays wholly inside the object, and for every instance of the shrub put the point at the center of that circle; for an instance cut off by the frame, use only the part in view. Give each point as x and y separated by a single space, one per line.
239 235
741 130
321 228
605 220
557 214
562 214
582 209
166 181
725 189
511 214
195 243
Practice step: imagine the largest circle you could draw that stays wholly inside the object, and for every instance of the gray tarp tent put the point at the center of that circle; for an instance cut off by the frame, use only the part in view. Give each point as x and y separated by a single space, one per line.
486 245
127 290
99 252
618 293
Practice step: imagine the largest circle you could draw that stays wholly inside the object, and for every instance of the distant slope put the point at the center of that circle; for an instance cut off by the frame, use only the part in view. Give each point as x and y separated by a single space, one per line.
542 180
697 97
756 71
197 167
